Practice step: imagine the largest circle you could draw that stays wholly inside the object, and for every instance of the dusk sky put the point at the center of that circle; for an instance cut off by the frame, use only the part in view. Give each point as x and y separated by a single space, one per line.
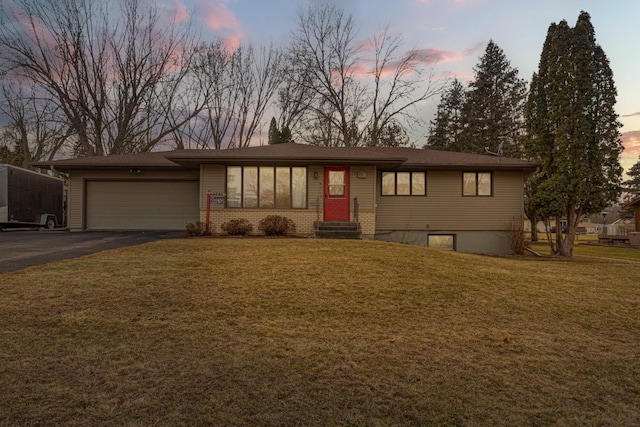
457 31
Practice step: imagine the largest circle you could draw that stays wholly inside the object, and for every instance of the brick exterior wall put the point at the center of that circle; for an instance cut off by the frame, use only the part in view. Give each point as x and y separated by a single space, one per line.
303 219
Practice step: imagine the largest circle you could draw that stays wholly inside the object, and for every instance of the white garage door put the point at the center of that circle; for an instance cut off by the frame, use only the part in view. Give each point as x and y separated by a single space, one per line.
141 205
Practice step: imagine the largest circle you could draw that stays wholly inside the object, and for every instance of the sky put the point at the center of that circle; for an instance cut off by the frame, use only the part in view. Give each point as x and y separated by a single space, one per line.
457 31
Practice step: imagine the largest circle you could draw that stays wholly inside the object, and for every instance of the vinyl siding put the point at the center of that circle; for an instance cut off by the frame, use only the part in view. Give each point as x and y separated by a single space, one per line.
364 188
212 179
444 207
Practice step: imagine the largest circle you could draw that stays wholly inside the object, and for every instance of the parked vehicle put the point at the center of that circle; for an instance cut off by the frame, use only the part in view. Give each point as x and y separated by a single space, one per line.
30 199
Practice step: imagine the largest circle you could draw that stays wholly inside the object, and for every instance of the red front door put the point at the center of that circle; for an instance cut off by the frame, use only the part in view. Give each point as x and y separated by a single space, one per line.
336 194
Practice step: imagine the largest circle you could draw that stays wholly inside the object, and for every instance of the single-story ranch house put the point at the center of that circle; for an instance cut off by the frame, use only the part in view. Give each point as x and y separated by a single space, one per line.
441 199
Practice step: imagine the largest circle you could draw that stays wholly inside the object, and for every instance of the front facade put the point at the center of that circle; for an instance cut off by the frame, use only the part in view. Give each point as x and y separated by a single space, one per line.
447 200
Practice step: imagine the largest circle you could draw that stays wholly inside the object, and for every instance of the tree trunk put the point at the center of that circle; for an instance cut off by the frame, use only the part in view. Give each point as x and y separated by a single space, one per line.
566 245
534 228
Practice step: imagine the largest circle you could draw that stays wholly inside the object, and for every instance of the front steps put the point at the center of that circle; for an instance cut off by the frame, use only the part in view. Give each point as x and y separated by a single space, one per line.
337 230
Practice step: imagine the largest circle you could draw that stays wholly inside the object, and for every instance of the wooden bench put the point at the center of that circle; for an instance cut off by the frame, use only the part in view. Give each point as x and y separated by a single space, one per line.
613 239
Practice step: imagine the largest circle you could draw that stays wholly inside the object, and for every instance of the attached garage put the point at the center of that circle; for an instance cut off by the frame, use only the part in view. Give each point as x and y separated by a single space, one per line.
141 205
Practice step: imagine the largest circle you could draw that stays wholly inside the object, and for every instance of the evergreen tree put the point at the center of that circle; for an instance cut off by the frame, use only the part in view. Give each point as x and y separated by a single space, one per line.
445 128
285 135
573 129
632 185
279 136
391 135
274 133
493 110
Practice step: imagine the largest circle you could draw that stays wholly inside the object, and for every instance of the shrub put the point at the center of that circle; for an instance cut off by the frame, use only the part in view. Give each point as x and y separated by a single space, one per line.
276 225
197 229
516 236
237 227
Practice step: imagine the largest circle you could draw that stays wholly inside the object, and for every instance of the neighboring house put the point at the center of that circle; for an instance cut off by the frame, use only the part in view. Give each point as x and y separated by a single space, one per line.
443 199
584 227
634 206
620 227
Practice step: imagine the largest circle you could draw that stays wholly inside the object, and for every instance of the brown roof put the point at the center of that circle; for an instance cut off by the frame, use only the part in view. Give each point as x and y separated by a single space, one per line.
632 204
389 157
152 160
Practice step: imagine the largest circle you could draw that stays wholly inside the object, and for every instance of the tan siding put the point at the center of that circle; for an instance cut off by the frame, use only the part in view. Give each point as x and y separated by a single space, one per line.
212 179
444 208
314 188
77 179
75 202
364 188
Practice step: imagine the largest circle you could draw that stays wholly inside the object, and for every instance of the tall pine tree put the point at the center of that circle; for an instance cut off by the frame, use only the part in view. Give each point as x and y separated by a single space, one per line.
445 128
493 110
274 133
632 185
573 129
277 136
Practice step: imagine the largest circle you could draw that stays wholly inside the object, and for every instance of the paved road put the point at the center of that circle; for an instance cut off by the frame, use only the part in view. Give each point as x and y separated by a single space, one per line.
22 249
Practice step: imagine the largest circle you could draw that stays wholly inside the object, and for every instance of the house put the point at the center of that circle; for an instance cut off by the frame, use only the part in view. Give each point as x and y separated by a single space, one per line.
455 201
634 206
634 237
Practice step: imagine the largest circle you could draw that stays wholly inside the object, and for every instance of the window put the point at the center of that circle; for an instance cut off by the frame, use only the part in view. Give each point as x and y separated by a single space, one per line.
337 183
404 184
477 184
266 187
443 242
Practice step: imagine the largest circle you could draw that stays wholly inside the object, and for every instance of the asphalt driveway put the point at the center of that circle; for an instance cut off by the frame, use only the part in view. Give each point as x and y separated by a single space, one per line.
22 249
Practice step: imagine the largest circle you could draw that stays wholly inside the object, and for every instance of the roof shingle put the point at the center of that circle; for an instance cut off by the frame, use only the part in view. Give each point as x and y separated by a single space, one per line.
292 153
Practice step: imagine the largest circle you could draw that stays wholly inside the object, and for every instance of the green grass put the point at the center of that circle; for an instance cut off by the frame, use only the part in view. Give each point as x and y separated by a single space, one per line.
586 245
313 332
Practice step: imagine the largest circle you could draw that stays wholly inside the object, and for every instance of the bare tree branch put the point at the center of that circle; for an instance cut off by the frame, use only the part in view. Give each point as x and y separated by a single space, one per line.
115 77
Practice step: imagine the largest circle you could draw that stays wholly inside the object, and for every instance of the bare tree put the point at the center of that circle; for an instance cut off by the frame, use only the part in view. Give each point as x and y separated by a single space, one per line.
118 78
242 85
371 88
213 126
256 77
33 130
324 57
400 84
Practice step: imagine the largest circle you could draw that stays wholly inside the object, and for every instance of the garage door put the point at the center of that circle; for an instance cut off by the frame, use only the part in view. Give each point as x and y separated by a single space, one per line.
141 205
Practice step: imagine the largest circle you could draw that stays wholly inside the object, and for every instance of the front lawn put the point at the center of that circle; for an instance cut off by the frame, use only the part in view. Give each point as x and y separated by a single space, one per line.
316 332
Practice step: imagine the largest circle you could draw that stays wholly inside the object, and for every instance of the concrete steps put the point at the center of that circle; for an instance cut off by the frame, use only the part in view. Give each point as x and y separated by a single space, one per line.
337 230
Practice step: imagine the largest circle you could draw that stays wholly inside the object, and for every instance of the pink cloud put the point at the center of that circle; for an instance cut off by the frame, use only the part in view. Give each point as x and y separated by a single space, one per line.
178 12
437 56
218 18
631 115
631 142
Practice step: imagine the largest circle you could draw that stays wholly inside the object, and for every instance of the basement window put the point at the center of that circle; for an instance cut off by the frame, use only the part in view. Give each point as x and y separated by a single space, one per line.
444 242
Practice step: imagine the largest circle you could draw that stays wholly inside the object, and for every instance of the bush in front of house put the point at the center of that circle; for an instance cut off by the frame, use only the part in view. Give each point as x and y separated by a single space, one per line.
237 227
197 229
515 234
276 225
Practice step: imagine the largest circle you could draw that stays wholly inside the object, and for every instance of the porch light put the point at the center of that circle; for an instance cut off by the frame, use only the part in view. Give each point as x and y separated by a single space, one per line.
315 174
